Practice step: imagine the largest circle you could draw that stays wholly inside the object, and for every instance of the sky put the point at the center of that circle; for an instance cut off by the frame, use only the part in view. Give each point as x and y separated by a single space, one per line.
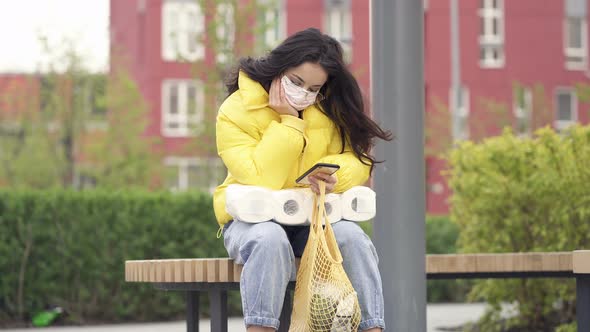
85 22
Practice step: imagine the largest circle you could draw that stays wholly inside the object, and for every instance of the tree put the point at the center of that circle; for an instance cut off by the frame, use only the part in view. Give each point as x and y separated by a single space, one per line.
583 93
19 104
124 156
493 116
84 126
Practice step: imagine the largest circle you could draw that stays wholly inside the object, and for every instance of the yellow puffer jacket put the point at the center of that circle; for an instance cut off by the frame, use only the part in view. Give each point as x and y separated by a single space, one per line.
262 148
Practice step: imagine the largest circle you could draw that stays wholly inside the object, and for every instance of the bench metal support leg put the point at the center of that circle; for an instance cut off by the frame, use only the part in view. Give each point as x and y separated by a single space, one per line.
192 311
583 302
285 318
218 303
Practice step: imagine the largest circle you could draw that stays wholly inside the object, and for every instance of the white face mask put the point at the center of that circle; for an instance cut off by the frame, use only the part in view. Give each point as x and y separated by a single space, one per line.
297 96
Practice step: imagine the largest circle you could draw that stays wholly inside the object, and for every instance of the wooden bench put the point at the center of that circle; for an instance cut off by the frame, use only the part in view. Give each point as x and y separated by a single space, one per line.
217 276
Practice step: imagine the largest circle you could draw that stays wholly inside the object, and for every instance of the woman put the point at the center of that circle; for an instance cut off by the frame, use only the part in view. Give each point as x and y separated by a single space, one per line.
285 112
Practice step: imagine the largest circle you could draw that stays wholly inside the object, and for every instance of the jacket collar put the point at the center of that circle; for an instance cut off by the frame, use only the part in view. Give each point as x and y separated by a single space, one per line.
254 96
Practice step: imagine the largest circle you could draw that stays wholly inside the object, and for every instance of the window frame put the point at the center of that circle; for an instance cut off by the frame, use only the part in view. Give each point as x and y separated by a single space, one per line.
488 42
225 31
574 52
182 117
273 11
344 34
183 164
177 31
523 112
563 124
462 116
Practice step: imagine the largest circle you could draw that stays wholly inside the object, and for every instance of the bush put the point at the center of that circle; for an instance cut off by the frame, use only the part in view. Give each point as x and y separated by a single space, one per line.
441 235
66 248
441 238
524 195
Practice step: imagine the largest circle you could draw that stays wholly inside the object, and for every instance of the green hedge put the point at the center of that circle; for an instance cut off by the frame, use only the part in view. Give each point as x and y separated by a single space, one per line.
524 195
66 248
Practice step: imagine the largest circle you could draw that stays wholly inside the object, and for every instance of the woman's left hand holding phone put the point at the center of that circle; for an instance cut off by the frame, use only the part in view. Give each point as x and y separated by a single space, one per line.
277 100
330 181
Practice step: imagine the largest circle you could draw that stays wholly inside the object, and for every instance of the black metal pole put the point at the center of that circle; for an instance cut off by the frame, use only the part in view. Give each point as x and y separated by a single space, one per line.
218 303
583 301
192 311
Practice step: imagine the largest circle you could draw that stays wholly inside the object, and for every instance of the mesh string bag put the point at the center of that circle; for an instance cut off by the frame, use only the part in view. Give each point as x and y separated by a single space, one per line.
325 300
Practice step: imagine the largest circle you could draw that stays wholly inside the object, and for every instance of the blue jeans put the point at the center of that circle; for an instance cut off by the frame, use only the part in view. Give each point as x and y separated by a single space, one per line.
268 250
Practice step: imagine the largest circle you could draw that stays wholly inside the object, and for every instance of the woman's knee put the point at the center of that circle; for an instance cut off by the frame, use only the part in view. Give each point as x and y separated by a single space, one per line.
350 235
270 233
353 242
267 237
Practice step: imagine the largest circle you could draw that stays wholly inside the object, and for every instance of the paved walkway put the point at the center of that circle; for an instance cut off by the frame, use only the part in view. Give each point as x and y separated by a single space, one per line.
438 315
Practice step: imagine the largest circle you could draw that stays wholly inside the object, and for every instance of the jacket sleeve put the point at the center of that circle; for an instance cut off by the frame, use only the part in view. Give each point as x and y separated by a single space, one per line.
266 161
352 171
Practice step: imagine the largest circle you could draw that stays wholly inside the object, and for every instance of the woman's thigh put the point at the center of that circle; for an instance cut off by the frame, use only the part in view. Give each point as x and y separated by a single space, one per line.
240 238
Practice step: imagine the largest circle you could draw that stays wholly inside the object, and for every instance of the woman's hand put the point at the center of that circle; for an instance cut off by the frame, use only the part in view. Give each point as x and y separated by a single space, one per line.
330 181
277 100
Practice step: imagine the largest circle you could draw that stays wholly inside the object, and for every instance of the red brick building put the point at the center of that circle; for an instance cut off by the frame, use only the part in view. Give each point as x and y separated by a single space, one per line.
19 93
506 48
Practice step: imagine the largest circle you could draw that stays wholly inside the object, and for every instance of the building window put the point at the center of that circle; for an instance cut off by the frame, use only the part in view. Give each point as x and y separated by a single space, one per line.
491 36
575 46
183 103
575 34
225 31
338 24
183 26
523 106
566 105
460 113
272 20
185 173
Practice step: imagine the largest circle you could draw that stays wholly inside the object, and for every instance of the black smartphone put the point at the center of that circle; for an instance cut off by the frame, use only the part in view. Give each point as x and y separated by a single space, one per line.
317 168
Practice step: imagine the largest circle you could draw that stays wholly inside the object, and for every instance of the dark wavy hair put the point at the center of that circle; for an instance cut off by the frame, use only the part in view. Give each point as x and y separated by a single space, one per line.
343 102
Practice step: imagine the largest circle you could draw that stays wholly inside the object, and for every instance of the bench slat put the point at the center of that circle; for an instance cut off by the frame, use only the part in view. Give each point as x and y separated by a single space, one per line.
188 269
499 263
152 271
237 272
201 270
212 270
581 261
225 270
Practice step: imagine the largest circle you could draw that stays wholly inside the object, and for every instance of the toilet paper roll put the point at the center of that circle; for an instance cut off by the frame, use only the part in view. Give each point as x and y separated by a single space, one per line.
333 207
332 204
290 207
307 204
358 204
249 203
